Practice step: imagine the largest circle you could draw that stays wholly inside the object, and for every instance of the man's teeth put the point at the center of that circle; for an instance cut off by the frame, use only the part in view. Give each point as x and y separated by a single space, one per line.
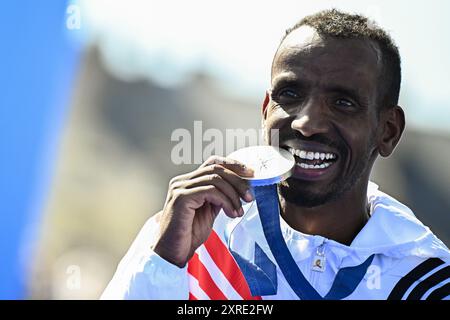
309 155
315 166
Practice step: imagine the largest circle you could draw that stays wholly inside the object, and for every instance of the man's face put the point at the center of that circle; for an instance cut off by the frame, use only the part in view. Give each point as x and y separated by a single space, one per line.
323 102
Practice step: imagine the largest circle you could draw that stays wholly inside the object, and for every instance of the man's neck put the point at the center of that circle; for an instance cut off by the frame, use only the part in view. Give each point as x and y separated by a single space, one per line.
340 220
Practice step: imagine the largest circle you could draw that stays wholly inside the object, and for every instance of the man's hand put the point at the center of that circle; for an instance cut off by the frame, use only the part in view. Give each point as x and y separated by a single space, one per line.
193 202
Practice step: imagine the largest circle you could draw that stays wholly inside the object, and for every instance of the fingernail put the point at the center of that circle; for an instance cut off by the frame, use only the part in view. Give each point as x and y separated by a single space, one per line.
235 213
248 196
241 211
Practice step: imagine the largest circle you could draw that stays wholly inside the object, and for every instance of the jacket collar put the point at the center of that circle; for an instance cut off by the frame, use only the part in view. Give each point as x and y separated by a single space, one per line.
392 230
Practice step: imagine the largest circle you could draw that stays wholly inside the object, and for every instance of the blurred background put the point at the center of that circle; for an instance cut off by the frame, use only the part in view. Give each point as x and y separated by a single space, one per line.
92 91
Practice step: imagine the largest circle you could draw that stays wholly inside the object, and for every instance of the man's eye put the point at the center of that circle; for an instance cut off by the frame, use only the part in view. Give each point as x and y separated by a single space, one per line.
288 94
344 103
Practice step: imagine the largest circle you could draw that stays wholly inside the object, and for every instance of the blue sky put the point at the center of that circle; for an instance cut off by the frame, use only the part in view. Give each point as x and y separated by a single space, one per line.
235 41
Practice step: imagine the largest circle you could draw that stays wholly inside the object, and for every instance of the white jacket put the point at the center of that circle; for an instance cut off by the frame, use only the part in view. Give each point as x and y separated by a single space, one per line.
409 261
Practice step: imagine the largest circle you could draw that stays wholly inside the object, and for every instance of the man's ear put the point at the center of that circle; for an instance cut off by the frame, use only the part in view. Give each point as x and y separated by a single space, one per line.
393 123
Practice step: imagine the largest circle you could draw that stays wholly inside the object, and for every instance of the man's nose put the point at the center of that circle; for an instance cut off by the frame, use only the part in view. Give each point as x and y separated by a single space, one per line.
311 120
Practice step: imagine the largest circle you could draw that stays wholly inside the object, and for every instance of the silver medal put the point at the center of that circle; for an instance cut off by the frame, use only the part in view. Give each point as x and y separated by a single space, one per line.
270 164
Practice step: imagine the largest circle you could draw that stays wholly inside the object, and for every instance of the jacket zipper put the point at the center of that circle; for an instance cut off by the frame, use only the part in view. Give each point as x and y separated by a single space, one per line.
318 262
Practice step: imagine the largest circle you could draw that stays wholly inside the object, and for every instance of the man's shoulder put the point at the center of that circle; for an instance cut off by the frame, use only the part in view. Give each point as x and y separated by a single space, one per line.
419 278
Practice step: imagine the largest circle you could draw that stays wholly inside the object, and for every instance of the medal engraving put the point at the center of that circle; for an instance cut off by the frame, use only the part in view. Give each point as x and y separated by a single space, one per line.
270 164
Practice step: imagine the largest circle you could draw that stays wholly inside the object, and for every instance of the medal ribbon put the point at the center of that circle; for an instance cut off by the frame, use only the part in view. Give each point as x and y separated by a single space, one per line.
346 280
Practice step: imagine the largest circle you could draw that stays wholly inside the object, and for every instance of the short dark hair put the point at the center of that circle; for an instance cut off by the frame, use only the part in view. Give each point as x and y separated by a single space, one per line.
334 23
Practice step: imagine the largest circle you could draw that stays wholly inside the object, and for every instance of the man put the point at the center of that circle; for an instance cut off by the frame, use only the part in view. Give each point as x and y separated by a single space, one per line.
334 95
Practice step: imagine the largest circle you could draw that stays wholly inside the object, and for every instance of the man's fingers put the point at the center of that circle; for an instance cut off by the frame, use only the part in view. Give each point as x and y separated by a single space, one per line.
212 195
234 165
221 184
241 186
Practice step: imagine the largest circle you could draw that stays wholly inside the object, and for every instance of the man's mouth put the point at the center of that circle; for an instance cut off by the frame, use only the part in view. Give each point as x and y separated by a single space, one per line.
313 160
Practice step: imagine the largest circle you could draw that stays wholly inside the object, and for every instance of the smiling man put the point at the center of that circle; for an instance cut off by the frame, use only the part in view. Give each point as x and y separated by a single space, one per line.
334 95
335 88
